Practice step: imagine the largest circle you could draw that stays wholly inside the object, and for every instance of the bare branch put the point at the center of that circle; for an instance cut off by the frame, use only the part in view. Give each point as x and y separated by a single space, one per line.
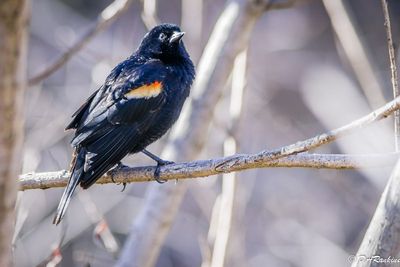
104 20
393 71
319 140
204 168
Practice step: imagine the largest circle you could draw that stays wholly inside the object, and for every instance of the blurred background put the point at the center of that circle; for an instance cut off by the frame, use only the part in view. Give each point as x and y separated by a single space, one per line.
305 75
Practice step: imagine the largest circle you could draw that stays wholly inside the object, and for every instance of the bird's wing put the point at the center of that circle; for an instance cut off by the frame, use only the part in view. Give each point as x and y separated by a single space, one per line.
131 97
113 119
96 97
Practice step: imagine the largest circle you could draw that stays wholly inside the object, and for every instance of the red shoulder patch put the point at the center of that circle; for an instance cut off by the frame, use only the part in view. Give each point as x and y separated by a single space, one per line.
145 91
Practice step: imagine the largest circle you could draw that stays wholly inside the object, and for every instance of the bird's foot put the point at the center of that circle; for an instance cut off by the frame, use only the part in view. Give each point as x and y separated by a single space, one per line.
160 163
123 187
119 166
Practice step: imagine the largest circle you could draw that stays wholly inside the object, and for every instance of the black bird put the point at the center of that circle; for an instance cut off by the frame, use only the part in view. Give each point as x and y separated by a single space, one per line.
139 101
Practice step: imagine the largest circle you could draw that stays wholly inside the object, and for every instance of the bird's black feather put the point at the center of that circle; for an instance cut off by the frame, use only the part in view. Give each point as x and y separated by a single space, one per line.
139 101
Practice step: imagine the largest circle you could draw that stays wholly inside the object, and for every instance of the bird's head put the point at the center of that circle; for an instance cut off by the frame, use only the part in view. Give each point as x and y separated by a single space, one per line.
163 42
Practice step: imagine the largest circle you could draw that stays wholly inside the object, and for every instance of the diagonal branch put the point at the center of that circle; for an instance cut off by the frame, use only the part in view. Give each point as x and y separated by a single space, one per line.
318 140
104 20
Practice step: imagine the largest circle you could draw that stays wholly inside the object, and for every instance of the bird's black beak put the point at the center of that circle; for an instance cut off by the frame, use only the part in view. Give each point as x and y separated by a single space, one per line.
176 37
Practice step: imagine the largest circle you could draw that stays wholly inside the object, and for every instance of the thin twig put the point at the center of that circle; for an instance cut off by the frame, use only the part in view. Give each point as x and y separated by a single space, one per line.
104 20
204 168
393 71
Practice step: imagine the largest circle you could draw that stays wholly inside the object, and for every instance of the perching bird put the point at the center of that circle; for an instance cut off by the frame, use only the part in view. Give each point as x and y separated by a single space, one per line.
139 101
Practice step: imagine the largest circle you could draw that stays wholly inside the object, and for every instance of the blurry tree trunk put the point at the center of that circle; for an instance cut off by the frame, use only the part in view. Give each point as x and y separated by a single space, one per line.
13 24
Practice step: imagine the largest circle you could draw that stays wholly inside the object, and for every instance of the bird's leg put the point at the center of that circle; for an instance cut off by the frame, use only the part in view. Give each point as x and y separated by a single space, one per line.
119 166
160 162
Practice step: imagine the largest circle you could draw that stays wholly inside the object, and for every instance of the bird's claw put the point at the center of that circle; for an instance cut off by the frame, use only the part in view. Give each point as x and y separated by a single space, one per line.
157 171
119 166
123 187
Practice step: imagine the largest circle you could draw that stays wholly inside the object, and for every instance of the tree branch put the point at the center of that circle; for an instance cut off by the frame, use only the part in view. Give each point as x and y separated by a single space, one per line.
318 140
393 71
104 20
235 162
204 168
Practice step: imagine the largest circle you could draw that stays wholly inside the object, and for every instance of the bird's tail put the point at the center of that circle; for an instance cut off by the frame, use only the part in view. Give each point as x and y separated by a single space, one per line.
77 172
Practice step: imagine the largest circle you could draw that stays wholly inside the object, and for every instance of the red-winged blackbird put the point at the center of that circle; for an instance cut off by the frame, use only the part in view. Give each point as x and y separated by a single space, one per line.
139 101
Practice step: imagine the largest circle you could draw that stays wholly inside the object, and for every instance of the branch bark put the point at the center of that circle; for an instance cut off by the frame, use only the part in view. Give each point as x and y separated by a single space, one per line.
104 20
13 26
204 168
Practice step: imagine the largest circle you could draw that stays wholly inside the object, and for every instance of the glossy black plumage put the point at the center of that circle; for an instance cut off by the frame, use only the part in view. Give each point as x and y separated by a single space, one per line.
139 101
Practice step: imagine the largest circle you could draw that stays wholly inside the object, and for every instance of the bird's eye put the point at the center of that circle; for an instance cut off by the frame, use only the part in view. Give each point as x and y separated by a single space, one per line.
162 36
